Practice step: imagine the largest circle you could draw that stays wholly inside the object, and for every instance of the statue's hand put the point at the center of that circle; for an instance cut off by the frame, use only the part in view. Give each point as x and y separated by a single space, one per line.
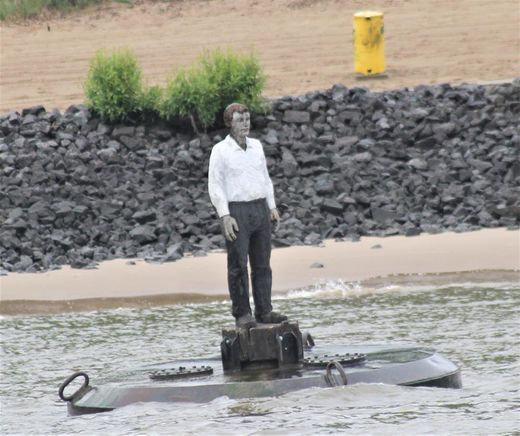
275 217
229 227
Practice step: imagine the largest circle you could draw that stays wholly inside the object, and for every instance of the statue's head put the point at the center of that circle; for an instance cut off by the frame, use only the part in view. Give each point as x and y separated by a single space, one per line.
234 108
237 118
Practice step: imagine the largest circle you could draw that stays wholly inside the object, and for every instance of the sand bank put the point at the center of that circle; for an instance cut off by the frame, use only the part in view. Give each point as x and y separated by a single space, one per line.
302 45
117 283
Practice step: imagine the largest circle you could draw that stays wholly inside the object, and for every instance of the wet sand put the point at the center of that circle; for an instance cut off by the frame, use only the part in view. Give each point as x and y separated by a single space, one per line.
373 260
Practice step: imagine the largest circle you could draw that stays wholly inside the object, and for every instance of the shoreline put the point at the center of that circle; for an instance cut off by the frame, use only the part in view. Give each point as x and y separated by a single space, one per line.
373 261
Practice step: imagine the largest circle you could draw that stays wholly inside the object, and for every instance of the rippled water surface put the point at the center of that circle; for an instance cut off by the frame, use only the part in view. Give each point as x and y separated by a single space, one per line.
475 325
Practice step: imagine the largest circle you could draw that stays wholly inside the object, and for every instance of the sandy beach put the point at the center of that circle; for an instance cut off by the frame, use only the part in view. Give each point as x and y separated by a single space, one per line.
303 45
372 260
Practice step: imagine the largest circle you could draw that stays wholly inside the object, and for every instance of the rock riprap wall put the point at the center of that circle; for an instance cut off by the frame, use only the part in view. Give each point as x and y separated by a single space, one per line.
345 163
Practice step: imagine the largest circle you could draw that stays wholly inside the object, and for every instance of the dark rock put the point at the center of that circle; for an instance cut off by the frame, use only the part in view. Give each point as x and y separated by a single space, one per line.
15 214
366 143
160 133
316 265
480 165
62 208
298 117
131 143
426 143
143 234
503 210
346 162
86 252
332 206
339 92
289 163
382 215
345 199
174 252
18 224
279 242
312 239
79 262
23 264
120 131
412 231
362 157
34 110
61 239
418 164
271 138
324 185
347 142
144 216
108 155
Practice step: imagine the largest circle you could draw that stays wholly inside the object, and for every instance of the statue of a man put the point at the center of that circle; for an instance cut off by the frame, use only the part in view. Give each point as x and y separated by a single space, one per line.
242 192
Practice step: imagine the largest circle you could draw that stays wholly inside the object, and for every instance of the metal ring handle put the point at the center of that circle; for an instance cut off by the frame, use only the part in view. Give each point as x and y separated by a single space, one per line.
308 340
68 381
330 378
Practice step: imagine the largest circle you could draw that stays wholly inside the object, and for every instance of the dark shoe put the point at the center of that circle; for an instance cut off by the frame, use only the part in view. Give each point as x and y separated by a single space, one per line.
271 318
245 321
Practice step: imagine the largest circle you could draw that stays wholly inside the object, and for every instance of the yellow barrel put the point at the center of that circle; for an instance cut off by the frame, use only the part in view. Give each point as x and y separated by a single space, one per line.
369 43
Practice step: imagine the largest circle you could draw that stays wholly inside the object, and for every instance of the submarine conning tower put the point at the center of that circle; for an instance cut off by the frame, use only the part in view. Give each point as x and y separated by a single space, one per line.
262 347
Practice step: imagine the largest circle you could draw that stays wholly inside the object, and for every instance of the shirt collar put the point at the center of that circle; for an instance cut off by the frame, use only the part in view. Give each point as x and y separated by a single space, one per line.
231 141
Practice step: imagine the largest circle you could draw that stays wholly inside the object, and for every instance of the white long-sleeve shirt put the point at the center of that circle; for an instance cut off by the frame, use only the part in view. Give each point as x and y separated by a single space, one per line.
236 174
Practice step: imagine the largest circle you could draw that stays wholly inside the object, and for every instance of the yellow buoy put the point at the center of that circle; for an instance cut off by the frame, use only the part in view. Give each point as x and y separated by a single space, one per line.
369 43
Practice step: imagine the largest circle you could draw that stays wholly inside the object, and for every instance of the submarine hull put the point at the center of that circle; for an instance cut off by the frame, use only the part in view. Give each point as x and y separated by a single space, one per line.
396 365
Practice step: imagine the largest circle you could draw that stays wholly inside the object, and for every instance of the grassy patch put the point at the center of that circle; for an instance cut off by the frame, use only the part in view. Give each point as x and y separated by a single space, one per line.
22 9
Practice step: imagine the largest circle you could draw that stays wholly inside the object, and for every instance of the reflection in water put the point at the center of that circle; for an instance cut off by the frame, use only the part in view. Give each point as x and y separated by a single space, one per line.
474 325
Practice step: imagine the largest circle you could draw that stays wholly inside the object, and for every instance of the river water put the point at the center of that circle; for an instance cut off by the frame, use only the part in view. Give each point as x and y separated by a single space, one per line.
474 324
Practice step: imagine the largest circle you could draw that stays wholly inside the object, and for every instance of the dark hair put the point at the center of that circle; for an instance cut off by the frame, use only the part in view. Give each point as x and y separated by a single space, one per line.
231 109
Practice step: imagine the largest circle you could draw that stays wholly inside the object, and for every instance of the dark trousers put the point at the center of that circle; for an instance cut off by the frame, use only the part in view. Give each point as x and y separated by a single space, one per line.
253 240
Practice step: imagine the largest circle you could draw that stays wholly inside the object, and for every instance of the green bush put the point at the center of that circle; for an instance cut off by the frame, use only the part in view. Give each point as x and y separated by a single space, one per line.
238 78
150 102
189 94
197 94
113 87
204 90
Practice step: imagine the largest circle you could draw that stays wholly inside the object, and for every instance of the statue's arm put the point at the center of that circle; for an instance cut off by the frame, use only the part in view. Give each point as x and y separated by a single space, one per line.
275 215
269 184
216 190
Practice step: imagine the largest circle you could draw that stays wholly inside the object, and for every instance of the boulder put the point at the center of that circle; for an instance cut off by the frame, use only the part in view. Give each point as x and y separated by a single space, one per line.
143 234
298 117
